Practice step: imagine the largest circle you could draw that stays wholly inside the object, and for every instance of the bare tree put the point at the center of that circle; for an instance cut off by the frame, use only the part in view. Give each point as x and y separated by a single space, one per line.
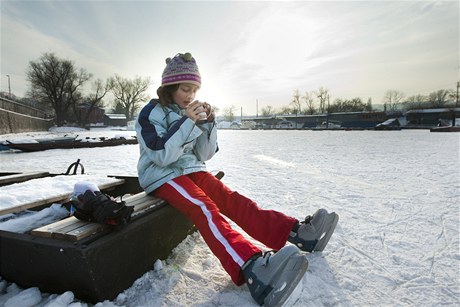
415 102
296 102
268 111
392 99
93 100
129 93
349 105
438 99
57 83
369 104
229 113
454 95
287 110
323 97
309 102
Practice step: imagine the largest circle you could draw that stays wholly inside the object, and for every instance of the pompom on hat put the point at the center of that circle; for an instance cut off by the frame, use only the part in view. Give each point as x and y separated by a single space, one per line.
181 68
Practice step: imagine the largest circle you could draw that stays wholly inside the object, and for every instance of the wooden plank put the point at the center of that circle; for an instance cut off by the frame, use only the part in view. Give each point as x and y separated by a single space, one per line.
139 200
56 199
56 225
71 229
15 178
146 203
111 185
76 223
80 232
134 197
48 230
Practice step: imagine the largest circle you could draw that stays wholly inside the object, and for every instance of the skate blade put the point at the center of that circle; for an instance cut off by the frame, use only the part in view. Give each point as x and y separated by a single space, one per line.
289 278
324 239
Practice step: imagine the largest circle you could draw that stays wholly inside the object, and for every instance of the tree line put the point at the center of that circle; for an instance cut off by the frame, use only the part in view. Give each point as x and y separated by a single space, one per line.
318 102
57 84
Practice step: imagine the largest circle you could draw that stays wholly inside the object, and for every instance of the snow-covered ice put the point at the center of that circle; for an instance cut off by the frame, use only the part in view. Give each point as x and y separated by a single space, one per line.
397 194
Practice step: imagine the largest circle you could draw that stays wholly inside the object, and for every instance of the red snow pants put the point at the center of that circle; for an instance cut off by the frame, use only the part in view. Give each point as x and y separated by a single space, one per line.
204 199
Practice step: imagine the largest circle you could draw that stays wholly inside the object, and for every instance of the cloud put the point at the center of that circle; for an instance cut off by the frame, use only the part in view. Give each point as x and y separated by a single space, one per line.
246 50
23 43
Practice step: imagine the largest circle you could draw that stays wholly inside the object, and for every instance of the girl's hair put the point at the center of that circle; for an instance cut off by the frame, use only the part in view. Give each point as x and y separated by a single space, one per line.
165 93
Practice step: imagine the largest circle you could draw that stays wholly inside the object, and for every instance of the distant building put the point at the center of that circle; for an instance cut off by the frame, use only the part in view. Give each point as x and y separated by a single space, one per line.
115 120
96 115
332 120
431 117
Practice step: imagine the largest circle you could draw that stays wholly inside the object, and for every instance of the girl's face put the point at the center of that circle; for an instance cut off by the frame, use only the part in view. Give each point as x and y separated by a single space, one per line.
185 94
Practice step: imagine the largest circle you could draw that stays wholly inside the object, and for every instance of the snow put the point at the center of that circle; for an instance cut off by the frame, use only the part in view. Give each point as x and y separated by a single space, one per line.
397 194
45 188
29 220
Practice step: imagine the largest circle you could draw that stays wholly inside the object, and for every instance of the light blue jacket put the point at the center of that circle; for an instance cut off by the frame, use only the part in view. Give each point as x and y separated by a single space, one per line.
171 144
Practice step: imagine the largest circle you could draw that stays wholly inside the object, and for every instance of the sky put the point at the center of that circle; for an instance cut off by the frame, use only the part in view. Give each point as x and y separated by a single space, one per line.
251 54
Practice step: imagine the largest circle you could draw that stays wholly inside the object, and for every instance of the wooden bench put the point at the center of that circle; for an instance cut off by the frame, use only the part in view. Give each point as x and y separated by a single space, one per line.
15 178
73 229
55 199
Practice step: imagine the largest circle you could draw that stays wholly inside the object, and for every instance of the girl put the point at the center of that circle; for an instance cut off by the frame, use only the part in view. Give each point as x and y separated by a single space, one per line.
175 141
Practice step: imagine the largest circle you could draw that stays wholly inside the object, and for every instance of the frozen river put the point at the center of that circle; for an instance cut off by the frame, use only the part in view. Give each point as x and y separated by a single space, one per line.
397 194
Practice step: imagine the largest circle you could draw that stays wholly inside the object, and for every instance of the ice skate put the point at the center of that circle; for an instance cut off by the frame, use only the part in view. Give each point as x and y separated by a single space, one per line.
94 206
314 233
272 277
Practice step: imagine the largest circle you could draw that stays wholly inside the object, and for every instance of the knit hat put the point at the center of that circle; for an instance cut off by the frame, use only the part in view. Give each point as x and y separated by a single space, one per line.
181 68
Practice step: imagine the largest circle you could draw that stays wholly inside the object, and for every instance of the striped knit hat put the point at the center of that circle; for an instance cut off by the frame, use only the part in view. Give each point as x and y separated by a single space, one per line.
181 68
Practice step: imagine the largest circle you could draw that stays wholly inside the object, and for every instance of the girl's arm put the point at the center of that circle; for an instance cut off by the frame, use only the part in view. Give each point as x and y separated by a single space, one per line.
206 145
161 145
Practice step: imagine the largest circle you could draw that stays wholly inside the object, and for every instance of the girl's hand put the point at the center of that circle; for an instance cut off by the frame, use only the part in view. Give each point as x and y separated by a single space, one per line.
209 112
195 111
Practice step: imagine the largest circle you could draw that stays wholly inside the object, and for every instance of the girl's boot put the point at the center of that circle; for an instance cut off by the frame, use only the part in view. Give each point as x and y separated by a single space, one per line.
271 277
314 232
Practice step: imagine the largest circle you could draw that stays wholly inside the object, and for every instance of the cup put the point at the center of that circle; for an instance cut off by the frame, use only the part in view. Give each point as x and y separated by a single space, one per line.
202 117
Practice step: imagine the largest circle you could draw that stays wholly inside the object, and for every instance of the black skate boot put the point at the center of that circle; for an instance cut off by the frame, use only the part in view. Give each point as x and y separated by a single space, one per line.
271 277
98 207
314 233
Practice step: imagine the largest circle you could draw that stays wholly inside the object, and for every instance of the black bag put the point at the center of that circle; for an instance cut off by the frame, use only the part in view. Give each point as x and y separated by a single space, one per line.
98 207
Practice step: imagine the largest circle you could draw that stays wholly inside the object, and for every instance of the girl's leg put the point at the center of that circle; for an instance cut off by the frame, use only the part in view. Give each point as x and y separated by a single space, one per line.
232 249
269 227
